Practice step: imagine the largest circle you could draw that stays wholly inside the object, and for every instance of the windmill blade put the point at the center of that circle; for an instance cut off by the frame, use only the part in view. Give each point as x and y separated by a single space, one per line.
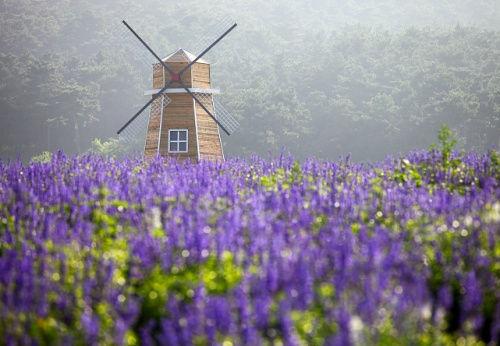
122 38
155 67
225 117
127 124
128 52
155 96
206 50
210 32
133 135
139 38
220 114
131 46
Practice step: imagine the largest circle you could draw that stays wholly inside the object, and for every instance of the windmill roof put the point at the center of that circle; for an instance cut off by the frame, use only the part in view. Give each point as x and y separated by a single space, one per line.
181 55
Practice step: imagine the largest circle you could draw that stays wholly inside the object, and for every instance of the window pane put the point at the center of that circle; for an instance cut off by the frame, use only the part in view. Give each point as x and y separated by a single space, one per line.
173 146
174 135
182 135
182 146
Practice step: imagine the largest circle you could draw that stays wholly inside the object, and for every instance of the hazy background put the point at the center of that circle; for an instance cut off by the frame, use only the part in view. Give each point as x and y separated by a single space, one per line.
318 77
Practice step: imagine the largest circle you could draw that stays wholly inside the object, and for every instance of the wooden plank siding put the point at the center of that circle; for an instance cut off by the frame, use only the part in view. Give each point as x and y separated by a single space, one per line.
208 134
201 75
179 114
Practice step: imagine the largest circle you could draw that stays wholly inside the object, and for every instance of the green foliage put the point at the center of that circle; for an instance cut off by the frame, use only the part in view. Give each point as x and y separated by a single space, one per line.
43 157
447 163
387 335
408 173
495 163
271 181
110 147
221 275
447 142
283 178
218 275
318 223
312 325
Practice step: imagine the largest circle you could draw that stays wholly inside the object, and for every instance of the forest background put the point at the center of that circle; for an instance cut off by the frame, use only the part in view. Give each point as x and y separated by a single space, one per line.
317 78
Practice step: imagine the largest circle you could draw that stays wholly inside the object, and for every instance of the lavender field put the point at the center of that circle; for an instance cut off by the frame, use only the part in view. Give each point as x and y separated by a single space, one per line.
251 252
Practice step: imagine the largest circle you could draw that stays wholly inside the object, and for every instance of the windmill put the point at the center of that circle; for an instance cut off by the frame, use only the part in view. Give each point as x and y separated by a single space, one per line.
184 116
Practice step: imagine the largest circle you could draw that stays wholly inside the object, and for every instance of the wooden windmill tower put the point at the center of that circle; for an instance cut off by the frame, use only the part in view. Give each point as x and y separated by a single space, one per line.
184 115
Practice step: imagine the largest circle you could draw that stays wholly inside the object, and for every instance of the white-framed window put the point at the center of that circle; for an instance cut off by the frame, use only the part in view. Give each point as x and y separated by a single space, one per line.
178 141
